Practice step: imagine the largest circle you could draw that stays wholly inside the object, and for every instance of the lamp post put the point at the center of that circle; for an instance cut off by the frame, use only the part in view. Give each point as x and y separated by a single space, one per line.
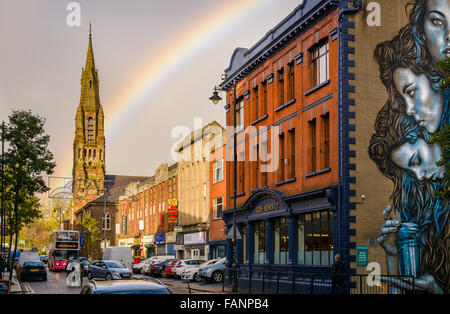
215 98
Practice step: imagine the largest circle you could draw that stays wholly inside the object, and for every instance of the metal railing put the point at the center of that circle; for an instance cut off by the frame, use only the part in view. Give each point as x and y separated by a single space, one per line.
279 282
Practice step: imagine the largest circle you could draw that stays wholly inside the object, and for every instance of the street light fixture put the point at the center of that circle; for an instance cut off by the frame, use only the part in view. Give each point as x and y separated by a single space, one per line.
215 98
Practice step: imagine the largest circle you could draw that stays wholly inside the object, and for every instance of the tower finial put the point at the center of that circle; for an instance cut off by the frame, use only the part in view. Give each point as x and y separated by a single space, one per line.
90 30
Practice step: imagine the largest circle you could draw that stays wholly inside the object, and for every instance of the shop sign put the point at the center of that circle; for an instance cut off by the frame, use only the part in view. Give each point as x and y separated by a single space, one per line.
148 239
266 208
173 212
194 238
178 247
171 237
160 238
362 255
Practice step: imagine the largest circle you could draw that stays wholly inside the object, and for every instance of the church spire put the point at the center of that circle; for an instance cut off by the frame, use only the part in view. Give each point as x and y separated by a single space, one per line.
90 64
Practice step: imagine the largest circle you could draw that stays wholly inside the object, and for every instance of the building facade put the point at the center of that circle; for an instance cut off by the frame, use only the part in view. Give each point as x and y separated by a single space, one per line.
217 192
194 190
144 213
286 125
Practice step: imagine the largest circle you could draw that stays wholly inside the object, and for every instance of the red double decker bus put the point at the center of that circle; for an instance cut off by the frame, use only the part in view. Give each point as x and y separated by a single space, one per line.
63 245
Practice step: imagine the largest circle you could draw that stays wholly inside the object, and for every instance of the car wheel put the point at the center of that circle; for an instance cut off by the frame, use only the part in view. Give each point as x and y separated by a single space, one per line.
163 273
217 276
108 276
197 278
44 278
89 275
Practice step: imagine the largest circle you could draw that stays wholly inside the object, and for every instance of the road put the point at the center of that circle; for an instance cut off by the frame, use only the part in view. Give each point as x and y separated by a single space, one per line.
56 284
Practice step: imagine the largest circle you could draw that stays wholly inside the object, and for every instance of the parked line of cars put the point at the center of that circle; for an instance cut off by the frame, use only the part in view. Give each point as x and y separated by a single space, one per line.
187 269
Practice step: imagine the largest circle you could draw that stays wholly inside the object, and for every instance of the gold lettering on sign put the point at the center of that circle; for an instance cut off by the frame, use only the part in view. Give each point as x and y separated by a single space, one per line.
266 208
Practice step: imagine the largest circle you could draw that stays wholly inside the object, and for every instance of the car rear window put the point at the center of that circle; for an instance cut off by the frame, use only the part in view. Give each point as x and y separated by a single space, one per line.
33 264
150 291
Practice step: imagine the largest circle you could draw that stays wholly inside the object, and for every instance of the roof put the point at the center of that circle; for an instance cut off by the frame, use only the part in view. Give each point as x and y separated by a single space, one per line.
115 186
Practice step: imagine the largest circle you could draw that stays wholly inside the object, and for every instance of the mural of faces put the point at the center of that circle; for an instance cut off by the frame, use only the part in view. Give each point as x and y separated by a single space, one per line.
401 147
420 158
423 103
437 29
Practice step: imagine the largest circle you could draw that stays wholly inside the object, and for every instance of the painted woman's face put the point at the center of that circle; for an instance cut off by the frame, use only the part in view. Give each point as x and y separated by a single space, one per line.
437 29
423 103
420 158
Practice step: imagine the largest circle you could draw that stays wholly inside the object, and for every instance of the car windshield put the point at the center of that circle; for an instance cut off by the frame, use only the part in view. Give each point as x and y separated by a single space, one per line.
33 264
114 265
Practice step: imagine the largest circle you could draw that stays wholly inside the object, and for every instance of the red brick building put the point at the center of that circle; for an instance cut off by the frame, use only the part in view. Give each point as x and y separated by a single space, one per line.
143 211
287 147
217 192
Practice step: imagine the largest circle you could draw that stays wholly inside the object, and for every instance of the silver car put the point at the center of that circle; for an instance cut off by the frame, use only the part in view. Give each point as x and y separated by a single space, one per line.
108 270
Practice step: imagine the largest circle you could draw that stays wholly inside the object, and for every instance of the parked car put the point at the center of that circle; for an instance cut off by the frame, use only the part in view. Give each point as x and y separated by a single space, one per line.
158 269
121 254
192 273
108 269
185 264
155 260
137 267
33 270
125 287
214 272
168 271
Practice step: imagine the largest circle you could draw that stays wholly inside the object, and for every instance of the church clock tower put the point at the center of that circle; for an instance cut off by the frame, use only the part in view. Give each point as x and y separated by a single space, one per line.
89 144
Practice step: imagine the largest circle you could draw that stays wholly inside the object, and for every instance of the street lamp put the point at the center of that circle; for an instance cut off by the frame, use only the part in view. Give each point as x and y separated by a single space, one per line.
215 98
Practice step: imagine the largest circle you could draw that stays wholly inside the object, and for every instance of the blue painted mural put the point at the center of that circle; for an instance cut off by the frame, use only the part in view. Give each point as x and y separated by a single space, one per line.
416 233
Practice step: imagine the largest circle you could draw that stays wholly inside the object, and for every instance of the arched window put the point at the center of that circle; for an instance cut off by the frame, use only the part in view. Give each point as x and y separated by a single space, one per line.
106 221
94 153
90 129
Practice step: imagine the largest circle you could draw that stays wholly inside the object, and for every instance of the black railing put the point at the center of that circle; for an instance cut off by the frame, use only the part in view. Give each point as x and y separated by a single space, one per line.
278 282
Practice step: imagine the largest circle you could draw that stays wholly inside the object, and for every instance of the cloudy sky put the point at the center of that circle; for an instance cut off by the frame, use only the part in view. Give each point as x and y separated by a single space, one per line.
157 60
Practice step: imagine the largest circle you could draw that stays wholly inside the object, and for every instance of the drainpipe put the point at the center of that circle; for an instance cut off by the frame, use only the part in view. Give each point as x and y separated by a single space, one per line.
343 11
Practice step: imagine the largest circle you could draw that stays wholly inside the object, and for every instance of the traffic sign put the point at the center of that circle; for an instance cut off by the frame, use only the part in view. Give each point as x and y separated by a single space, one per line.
231 233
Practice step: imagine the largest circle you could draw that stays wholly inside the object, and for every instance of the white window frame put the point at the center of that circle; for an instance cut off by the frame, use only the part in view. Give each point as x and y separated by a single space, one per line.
218 166
215 204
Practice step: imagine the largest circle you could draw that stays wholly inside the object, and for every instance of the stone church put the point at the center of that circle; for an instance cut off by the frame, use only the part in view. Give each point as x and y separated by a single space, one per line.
95 193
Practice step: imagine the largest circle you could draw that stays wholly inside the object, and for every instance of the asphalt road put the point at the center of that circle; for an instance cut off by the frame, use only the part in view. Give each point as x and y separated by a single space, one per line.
56 284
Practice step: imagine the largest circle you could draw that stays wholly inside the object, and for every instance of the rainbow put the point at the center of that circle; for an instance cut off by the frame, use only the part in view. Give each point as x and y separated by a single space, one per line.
161 68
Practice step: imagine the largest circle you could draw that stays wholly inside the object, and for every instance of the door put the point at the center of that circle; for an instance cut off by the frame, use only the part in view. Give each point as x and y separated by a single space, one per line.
195 253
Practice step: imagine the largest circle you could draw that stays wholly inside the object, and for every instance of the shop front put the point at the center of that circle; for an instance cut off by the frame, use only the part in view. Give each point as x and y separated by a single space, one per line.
148 245
171 239
284 233
195 246
160 241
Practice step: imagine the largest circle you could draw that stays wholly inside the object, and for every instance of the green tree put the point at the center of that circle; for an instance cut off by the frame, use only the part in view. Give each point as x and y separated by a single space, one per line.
91 234
442 137
26 159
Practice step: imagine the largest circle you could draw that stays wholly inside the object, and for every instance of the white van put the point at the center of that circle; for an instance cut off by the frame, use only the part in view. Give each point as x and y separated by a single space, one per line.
121 254
28 256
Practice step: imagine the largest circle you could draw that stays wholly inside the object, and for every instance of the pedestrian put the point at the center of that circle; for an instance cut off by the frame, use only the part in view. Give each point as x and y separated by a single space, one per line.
338 271
82 271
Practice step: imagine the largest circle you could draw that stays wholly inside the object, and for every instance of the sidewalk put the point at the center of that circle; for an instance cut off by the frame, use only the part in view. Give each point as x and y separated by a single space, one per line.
16 286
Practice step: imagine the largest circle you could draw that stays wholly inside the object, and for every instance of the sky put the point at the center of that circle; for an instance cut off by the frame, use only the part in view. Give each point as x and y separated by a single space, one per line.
158 62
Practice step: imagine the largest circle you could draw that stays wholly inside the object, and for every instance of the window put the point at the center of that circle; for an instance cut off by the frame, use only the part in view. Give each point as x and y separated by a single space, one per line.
264 97
218 171
282 158
292 153
319 64
244 243
106 221
90 129
218 206
315 238
256 102
239 114
291 81
312 147
241 166
260 242
257 168
281 87
264 162
281 234
325 151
